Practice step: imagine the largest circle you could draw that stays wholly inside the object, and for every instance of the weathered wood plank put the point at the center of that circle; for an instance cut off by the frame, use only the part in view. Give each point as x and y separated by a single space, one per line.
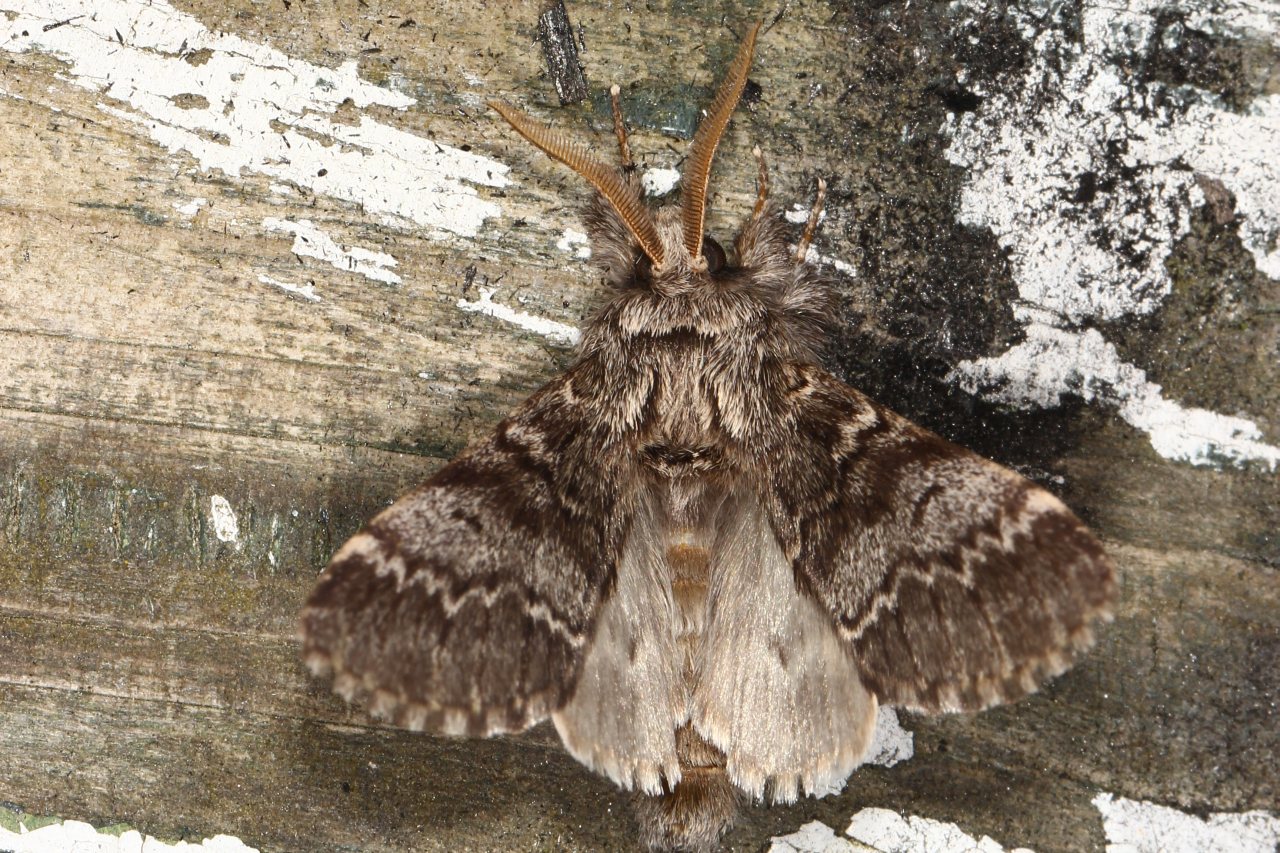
286 783
148 364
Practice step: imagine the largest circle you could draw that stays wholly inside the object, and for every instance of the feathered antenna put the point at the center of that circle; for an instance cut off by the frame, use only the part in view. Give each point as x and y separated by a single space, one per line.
698 168
622 195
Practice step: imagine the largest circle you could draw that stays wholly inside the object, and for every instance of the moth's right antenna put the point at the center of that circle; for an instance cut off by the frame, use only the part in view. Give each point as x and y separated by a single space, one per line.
698 167
606 179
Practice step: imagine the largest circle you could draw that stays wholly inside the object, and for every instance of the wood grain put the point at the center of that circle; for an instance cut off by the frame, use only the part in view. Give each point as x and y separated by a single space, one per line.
148 669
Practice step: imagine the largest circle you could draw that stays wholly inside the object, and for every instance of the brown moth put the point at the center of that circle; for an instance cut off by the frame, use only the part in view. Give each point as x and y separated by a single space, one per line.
704 557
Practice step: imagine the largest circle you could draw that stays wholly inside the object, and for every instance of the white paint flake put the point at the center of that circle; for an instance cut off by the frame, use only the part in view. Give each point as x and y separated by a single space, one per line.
475 81
1052 362
556 332
1087 176
798 214
658 182
890 742
887 831
1137 827
817 258
1131 827
312 242
247 107
80 837
192 207
225 526
306 291
575 242
813 837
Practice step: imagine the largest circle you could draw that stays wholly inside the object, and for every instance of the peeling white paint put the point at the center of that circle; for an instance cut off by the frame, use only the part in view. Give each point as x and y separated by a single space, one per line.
813 837
192 207
890 742
80 837
1085 252
887 831
306 291
247 107
475 81
310 241
1239 149
658 182
574 242
225 526
798 214
1137 827
556 332
813 256
1131 826
1052 362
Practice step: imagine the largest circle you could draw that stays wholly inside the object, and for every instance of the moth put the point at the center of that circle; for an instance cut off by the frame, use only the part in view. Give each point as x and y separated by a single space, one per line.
706 559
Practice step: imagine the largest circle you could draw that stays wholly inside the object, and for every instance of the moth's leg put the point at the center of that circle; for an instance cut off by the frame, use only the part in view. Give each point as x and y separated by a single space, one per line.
620 128
762 183
762 238
811 226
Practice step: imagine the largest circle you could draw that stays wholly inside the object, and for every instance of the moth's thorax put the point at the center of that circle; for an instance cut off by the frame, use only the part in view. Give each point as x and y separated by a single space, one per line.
709 311
691 367
685 440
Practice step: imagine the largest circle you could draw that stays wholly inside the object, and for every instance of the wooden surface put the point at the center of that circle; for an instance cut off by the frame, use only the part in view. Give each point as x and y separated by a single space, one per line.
148 667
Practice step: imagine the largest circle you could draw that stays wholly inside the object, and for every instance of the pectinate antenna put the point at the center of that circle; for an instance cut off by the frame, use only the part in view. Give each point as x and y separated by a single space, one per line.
698 168
623 196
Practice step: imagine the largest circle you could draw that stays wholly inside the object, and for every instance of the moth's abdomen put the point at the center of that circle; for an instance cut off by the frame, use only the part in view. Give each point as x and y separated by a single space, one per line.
775 688
692 814
696 812
687 565
630 696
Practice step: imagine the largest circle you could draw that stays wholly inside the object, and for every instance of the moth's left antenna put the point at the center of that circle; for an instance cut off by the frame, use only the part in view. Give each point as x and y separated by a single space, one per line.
621 195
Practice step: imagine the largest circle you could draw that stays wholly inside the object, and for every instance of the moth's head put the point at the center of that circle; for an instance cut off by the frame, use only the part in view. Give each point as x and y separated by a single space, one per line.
674 250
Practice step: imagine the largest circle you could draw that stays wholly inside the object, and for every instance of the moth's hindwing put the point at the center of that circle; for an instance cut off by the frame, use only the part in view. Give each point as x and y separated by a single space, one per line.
466 606
630 697
777 691
957 583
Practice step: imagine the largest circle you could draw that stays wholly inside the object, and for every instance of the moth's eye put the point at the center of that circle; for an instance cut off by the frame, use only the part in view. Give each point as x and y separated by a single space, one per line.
643 268
713 254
